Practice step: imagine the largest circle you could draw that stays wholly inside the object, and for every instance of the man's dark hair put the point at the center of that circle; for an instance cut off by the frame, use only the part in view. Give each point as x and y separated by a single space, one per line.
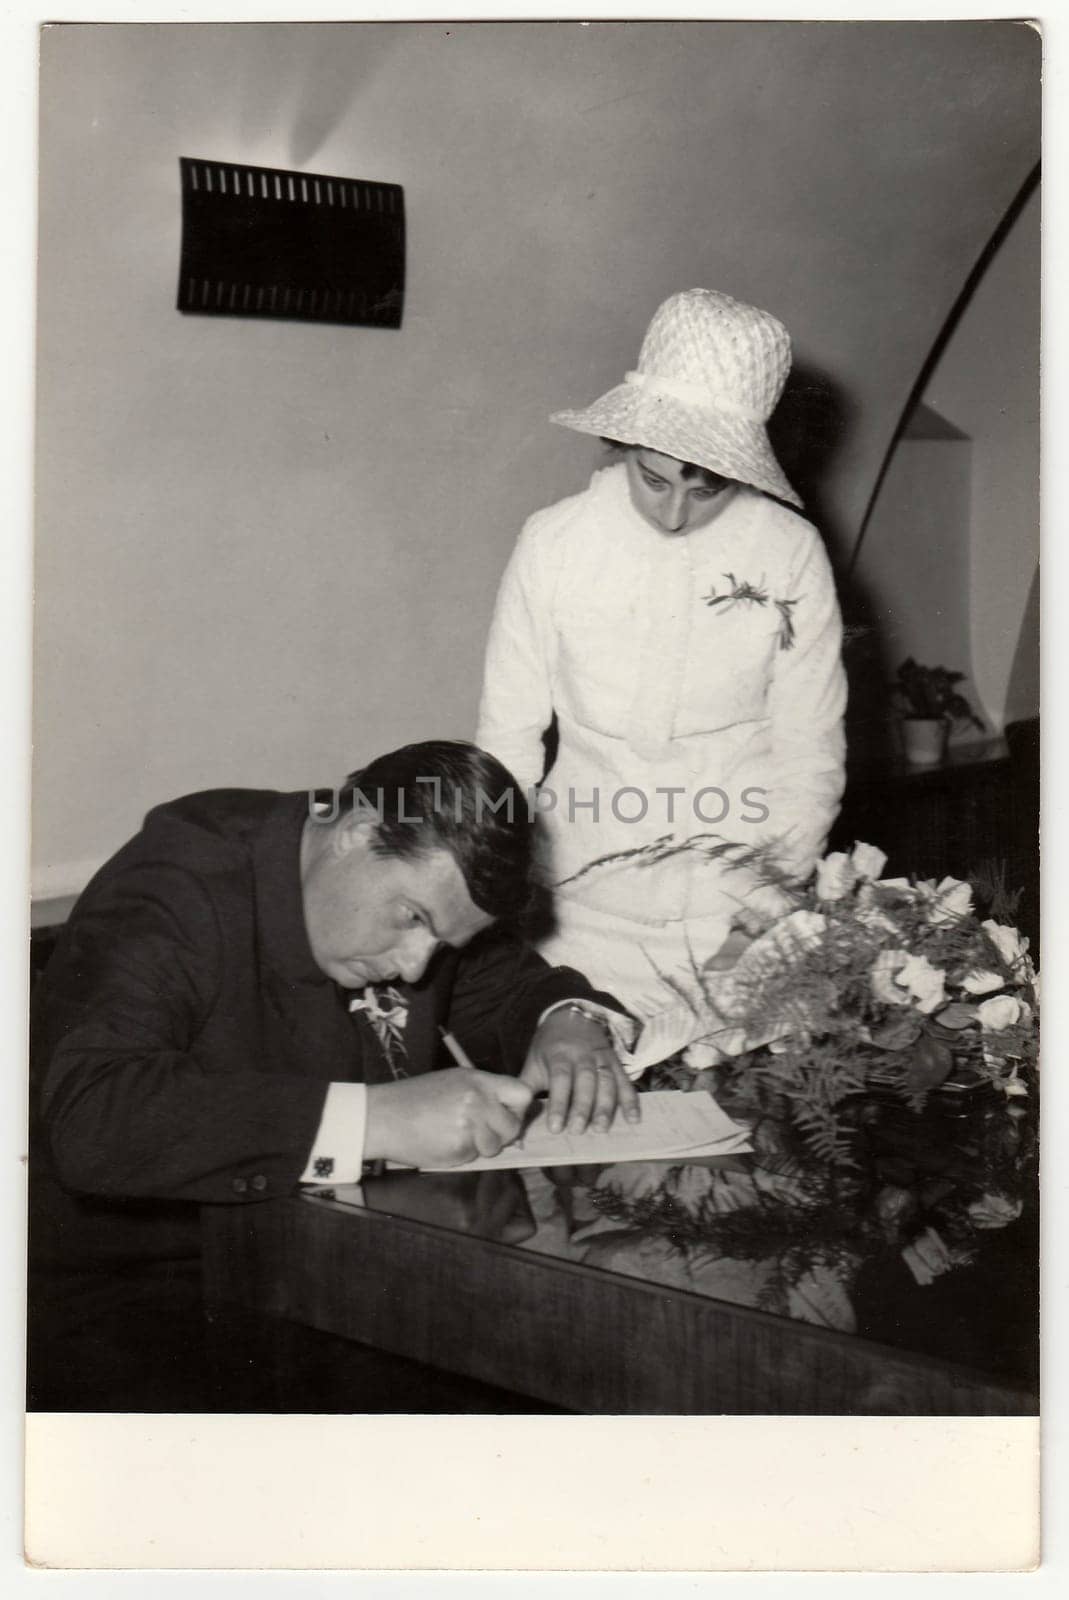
444 794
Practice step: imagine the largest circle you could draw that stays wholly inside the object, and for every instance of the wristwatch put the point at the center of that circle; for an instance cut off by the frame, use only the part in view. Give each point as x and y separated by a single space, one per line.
591 1016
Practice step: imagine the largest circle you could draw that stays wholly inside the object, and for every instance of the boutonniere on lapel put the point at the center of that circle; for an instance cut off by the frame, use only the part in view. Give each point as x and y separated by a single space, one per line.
386 1009
742 592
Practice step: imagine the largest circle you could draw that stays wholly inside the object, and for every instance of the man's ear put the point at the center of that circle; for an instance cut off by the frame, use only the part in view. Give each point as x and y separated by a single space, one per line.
353 831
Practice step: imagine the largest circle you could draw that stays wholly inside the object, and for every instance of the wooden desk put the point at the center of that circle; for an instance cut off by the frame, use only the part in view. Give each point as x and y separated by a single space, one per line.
562 1332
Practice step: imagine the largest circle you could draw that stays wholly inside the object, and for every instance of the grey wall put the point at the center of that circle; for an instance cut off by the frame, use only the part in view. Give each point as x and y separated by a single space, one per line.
266 550
952 546
915 562
987 382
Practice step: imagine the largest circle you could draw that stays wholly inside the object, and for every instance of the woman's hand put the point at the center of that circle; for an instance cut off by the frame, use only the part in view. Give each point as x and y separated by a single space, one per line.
573 1062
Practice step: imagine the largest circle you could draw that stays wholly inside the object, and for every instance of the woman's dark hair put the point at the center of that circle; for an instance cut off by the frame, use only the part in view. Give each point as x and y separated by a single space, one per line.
690 469
444 794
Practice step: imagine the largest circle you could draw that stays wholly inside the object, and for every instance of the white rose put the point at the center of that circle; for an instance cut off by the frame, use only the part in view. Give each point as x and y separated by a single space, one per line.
1000 1012
980 981
836 876
924 982
886 965
1007 941
928 1257
951 901
995 1210
868 860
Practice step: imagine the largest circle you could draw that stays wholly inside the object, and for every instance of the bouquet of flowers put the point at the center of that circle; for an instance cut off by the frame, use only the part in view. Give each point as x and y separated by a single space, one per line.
880 1038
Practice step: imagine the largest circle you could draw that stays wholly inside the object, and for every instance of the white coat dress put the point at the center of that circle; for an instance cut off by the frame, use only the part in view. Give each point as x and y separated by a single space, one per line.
698 687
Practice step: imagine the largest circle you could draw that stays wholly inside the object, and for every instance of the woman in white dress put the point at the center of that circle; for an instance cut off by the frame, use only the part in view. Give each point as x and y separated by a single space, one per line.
681 622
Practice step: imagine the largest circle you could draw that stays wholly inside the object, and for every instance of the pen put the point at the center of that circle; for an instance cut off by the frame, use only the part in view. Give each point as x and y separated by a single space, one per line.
462 1059
456 1049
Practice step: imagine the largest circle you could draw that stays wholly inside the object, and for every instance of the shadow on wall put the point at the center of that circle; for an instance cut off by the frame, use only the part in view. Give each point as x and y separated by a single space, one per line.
867 657
811 425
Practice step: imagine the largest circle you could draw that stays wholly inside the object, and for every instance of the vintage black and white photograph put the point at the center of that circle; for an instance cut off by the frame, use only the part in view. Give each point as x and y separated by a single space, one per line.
535 844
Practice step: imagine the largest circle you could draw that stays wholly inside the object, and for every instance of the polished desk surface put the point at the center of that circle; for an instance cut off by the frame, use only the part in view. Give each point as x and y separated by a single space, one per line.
515 1279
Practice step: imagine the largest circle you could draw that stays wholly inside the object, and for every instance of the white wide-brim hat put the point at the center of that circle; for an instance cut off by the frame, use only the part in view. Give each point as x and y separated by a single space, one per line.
710 372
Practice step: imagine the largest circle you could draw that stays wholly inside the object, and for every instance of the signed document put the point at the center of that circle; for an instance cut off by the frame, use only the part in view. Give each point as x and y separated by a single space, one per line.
674 1123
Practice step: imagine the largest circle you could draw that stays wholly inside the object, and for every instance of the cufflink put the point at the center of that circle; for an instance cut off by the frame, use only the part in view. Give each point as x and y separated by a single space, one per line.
323 1166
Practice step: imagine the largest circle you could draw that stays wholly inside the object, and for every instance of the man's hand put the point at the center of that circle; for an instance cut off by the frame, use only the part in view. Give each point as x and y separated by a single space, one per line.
443 1117
572 1059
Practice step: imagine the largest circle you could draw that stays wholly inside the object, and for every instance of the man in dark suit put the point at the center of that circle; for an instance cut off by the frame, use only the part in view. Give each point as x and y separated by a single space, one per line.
249 995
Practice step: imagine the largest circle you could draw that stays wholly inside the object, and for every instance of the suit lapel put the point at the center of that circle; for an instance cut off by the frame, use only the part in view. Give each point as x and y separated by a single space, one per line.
320 1039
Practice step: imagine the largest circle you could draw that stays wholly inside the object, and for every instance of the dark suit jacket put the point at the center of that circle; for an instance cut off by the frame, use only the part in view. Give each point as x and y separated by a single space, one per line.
183 1038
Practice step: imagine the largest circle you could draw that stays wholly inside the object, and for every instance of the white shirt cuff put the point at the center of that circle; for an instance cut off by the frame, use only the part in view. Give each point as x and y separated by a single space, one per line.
622 1029
338 1152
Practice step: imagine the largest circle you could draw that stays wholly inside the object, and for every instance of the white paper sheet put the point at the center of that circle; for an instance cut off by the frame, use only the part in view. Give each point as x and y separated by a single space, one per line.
674 1123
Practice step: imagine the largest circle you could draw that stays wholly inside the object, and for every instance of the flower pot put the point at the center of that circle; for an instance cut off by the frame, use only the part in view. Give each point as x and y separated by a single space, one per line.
924 740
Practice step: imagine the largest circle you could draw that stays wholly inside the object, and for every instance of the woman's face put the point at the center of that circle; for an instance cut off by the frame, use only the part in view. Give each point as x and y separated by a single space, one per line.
668 500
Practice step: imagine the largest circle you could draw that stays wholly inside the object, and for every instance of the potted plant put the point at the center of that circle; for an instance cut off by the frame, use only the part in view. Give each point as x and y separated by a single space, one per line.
930 705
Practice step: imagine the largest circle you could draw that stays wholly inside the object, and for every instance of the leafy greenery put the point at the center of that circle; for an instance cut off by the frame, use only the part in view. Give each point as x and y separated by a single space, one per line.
881 1040
930 692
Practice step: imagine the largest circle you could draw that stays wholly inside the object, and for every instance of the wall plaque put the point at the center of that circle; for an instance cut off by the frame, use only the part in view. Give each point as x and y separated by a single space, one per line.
260 242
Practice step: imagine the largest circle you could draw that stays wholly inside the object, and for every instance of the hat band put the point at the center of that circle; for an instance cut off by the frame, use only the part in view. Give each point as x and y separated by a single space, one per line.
692 394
